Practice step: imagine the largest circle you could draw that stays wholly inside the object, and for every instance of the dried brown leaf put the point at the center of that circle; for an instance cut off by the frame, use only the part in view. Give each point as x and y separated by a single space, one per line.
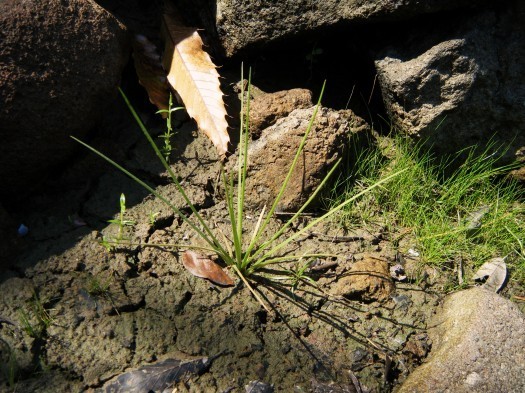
494 272
150 72
195 78
156 377
204 267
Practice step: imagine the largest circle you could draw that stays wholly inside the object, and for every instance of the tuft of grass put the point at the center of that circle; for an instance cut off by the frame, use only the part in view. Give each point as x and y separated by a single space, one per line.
245 253
36 319
470 212
297 275
97 287
122 225
9 365
168 133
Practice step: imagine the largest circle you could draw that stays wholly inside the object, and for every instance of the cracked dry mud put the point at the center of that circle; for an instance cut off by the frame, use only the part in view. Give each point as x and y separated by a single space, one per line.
115 311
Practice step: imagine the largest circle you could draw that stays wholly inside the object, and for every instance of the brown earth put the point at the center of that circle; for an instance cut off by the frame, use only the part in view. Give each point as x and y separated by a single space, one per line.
111 311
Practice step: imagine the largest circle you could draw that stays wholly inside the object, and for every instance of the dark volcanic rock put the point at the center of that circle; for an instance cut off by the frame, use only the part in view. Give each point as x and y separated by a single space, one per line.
60 63
243 23
461 87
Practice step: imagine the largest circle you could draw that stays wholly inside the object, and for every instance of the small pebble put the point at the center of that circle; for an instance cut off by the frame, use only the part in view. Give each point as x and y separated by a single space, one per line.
22 230
413 253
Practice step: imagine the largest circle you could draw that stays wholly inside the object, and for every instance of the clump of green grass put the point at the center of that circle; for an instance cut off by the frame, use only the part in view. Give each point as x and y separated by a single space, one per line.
98 287
245 253
8 365
472 212
122 224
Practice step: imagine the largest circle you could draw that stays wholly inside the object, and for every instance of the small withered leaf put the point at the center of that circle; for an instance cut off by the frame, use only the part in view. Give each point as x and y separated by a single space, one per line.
204 267
494 273
150 72
194 77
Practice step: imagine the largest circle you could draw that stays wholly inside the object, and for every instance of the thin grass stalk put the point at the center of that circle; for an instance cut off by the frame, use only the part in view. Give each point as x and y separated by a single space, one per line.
258 224
243 157
297 258
278 234
160 245
154 192
170 171
262 261
464 228
286 180
239 273
237 240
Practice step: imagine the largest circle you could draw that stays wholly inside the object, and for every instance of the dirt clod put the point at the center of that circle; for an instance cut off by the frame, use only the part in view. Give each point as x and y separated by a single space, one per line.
368 280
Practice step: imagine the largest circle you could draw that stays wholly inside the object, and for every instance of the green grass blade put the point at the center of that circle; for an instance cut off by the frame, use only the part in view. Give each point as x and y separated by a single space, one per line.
242 161
322 218
289 258
228 194
292 167
157 194
279 233
169 170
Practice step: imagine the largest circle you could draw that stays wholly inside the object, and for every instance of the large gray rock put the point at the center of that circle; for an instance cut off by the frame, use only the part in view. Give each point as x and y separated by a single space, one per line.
242 23
464 89
60 64
478 346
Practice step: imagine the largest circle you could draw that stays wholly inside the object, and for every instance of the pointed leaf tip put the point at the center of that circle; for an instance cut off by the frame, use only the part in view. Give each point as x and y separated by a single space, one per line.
195 78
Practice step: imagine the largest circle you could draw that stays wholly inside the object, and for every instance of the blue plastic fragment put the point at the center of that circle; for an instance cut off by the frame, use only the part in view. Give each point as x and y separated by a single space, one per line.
23 230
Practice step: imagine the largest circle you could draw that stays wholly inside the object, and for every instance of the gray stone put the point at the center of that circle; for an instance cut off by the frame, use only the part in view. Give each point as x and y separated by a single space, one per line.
478 346
60 64
240 23
461 91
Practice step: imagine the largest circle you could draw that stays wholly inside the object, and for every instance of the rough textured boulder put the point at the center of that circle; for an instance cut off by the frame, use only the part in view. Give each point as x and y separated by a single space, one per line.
60 64
461 87
243 23
266 109
270 156
478 339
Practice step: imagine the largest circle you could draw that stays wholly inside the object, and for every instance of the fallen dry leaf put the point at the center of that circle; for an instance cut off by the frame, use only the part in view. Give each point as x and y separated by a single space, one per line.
150 72
204 267
475 219
156 377
195 78
495 273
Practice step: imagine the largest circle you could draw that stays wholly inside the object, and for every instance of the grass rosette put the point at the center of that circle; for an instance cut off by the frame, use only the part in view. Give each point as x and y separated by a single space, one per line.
245 253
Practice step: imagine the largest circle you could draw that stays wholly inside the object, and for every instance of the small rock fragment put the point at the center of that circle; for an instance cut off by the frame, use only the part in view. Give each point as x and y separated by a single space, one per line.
494 272
417 346
368 280
266 109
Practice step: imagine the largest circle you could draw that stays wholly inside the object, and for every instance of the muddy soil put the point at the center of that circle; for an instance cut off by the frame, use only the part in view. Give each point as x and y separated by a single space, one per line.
74 315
